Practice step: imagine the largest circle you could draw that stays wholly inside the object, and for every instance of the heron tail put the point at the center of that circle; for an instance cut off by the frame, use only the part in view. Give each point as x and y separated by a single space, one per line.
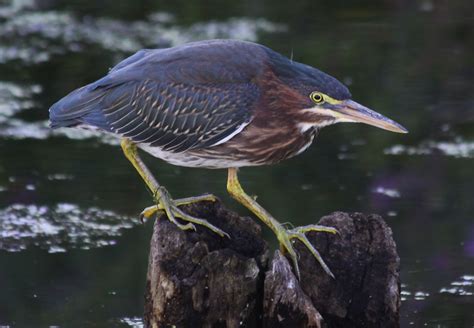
80 107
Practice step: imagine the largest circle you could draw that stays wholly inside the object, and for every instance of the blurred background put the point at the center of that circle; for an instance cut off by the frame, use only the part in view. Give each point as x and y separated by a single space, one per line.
72 252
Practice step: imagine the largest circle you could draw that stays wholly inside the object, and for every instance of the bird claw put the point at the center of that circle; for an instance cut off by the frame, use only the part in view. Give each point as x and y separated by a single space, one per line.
191 219
187 226
171 207
149 212
288 237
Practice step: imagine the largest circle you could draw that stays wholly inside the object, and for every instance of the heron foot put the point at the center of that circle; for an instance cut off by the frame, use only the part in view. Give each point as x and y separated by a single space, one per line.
287 238
150 211
171 207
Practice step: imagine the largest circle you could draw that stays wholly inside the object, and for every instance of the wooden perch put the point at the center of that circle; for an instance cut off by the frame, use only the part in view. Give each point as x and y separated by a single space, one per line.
198 279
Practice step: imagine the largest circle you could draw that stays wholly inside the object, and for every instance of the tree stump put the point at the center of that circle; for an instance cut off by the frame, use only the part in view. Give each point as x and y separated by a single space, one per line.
364 260
198 279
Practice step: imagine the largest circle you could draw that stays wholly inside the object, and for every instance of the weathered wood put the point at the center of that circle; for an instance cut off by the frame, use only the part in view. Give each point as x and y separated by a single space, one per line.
285 304
363 258
198 279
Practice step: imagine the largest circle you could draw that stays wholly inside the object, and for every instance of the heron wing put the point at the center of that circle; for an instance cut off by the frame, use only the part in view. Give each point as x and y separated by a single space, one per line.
180 98
177 117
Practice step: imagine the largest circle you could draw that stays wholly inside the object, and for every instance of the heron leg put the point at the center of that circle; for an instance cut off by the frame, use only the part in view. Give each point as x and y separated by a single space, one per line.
285 236
163 198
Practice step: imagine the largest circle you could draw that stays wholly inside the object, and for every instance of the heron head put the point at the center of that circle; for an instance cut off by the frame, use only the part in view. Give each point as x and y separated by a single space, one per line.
326 110
323 100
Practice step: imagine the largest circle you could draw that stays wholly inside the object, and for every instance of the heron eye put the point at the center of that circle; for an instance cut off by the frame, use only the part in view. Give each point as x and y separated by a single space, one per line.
317 97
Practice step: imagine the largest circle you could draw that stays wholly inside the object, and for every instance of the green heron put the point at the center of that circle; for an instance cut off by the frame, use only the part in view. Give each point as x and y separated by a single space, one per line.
215 104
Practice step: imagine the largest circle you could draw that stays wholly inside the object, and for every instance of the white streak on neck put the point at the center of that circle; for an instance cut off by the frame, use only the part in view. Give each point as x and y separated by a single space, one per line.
305 126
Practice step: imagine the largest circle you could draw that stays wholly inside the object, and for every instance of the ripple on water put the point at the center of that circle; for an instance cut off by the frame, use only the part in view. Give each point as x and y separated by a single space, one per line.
134 322
15 98
462 287
55 32
59 228
458 148
389 192
59 177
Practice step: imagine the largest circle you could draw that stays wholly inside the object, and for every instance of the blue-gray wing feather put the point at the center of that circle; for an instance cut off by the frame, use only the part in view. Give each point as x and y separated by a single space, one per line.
180 98
177 117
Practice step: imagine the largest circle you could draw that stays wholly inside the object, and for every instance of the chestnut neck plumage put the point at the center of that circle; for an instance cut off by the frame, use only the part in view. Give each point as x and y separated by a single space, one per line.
279 128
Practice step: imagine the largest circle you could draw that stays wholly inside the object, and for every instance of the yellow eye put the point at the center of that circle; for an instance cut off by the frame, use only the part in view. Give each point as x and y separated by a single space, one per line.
316 97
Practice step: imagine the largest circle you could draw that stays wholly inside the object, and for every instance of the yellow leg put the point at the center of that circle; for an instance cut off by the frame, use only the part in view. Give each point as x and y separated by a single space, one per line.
284 236
163 198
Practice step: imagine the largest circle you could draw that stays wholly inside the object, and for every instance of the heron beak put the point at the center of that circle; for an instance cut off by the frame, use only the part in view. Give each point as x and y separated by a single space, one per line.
351 111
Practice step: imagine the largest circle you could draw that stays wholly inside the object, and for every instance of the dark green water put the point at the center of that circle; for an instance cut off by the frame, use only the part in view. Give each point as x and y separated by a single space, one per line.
71 251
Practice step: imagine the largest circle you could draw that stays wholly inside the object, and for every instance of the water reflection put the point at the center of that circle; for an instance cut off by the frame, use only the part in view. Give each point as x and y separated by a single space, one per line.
46 34
392 193
462 287
15 98
459 148
57 229
134 322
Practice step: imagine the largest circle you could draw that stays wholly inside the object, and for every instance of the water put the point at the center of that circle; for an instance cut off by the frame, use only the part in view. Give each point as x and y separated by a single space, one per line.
71 250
